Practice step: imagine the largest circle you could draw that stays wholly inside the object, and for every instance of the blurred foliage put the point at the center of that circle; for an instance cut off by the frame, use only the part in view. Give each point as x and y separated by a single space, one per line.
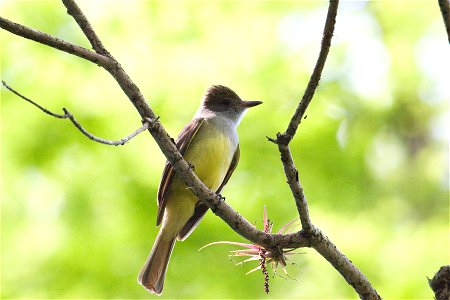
78 218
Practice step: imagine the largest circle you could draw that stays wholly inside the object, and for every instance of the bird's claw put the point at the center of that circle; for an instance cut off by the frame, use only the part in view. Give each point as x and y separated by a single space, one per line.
222 198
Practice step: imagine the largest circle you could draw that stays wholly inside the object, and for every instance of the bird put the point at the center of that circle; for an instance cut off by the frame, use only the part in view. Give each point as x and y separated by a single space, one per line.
210 144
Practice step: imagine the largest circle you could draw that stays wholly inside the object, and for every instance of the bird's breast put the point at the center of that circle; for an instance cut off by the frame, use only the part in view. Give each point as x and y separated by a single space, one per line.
211 153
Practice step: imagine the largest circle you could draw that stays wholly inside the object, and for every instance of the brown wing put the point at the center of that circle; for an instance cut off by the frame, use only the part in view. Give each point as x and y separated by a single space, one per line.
183 140
202 208
233 165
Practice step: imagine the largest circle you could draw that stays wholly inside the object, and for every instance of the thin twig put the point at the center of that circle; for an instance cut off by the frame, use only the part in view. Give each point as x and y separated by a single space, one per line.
284 139
77 14
315 77
122 141
68 115
445 11
319 241
34 103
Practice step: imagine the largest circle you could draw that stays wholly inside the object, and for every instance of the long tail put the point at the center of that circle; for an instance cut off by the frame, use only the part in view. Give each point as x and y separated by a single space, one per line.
153 273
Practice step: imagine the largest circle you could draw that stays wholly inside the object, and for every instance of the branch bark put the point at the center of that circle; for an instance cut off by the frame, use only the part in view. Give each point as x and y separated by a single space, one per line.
83 23
444 5
309 236
283 139
328 31
440 283
54 42
321 243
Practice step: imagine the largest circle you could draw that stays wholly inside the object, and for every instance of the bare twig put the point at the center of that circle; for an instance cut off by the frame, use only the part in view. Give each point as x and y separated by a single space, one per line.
445 11
68 115
122 141
77 14
32 102
315 77
283 139
319 241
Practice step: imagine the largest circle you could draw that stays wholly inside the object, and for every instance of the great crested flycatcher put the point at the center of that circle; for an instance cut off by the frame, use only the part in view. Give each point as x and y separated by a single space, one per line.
210 143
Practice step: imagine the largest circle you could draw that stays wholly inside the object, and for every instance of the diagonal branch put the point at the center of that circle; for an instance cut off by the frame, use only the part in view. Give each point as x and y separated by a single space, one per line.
77 14
315 77
34 103
323 245
294 183
319 241
284 139
54 42
445 11
68 115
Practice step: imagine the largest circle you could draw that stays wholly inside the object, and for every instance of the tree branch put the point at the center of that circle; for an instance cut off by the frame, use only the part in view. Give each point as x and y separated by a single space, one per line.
319 241
445 11
284 139
323 245
54 42
83 23
440 283
294 183
122 141
68 115
32 102
315 77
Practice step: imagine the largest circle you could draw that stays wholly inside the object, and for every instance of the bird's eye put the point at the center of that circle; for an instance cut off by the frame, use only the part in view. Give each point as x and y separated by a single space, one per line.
226 102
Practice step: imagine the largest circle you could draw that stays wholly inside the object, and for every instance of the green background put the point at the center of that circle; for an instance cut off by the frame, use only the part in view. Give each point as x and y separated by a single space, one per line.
78 217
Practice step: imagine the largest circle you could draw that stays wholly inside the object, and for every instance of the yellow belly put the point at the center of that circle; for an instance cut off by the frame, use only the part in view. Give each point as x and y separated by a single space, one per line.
210 153
211 158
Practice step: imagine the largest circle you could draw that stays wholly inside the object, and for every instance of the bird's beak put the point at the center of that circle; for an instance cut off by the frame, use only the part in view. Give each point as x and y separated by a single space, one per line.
248 104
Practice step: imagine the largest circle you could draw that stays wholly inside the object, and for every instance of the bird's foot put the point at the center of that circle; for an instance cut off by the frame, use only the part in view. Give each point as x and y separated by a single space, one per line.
222 198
